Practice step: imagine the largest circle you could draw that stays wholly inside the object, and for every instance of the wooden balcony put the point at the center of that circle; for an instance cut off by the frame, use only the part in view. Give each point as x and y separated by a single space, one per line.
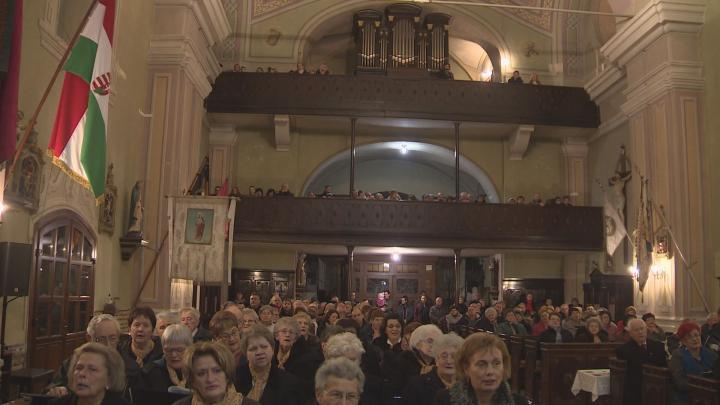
418 224
421 98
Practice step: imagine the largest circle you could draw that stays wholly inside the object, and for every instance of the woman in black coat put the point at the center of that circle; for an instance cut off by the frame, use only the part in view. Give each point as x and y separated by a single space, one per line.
592 332
156 375
142 349
421 390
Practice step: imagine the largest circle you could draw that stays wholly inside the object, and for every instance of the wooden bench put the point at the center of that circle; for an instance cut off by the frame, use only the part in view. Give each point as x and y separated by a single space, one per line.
618 368
560 363
532 369
656 387
703 391
517 362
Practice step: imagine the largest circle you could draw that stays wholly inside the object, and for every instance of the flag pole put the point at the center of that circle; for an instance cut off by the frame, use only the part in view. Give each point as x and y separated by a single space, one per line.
33 120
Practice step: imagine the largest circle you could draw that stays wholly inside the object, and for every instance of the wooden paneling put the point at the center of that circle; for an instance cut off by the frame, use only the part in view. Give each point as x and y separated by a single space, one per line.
656 385
703 391
618 368
380 96
416 223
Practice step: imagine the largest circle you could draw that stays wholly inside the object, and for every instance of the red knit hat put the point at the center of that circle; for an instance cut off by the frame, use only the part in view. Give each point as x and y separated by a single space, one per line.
686 328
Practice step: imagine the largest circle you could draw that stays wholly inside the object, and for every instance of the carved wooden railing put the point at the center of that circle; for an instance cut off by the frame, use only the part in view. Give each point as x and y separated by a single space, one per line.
420 224
380 96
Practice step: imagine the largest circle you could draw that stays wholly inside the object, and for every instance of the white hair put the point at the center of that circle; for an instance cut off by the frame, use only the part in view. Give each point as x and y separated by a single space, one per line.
95 321
489 310
343 345
195 313
340 368
451 341
169 317
424 332
177 334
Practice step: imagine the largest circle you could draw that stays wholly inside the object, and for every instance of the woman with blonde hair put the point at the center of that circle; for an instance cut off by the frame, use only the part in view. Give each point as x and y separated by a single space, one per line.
96 376
421 390
482 366
210 371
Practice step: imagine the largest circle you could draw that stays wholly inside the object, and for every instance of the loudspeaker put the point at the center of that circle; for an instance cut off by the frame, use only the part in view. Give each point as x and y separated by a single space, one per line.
15 264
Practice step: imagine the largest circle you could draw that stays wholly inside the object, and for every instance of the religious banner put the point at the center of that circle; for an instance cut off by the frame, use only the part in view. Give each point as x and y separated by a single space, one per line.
615 230
198 244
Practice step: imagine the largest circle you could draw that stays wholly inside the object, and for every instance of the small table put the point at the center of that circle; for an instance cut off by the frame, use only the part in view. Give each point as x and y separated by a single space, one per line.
596 382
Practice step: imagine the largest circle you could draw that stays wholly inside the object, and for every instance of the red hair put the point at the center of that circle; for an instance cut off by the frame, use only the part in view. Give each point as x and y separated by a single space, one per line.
686 328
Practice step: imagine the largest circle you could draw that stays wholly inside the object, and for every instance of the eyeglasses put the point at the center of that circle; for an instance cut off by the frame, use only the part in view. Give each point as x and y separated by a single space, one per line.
286 331
106 339
174 351
335 395
248 322
229 335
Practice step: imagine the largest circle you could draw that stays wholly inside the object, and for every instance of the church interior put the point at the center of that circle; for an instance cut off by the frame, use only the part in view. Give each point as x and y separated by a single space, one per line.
485 152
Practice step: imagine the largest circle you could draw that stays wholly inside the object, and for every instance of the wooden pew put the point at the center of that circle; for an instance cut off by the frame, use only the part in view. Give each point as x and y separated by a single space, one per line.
531 368
703 391
517 362
656 385
618 368
560 363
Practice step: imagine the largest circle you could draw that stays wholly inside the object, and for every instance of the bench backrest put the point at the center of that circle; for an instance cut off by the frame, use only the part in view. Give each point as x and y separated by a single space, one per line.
703 391
618 368
655 385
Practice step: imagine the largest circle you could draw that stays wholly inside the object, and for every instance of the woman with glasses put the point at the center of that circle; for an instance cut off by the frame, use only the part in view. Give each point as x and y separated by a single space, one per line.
162 374
692 358
248 319
421 390
260 379
296 356
225 330
402 367
339 381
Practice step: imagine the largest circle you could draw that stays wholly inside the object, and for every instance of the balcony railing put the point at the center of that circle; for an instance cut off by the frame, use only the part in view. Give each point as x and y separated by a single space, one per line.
418 224
381 96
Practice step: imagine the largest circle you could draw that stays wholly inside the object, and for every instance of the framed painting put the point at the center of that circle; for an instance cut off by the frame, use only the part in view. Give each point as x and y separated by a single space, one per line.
199 226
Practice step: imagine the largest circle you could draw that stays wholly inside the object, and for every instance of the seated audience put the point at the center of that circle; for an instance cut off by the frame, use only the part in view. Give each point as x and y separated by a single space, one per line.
555 333
515 79
483 368
710 331
142 348
690 359
654 331
489 322
592 332
294 355
452 320
323 70
96 376
165 319
164 373
376 318
210 370
511 326
260 379
235 309
299 69
543 323
637 352
575 321
437 312
407 333
103 329
190 317
421 390
265 315
608 325
225 330
399 369
338 381
473 315
249 319
349 346
305 323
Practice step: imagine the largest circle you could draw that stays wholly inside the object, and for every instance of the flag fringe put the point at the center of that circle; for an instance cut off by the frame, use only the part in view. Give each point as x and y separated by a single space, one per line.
73 175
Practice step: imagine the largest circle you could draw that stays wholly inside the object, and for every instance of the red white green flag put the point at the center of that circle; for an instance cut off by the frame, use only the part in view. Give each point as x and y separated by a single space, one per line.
77 143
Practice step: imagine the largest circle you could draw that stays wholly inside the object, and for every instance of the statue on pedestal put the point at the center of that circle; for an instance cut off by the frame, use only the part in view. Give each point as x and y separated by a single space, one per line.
136 212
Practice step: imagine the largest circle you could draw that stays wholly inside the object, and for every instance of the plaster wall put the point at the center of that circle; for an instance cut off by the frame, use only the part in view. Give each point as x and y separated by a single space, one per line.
533 265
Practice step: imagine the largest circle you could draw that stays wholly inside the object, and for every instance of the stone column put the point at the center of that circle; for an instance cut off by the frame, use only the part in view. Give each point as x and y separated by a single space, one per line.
658 51
575 152
181 66
222 147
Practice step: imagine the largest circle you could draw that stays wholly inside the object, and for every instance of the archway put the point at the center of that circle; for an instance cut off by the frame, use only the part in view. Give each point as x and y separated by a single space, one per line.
410 167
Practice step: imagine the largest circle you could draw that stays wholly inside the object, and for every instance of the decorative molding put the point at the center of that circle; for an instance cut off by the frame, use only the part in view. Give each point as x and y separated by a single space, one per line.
519 141
50 40
665 77
178 50
210 15
282 133
655 19
603 83
223 135
575 148
608 126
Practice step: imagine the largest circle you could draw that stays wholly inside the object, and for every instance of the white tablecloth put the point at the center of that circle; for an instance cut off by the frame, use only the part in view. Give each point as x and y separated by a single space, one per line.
596 382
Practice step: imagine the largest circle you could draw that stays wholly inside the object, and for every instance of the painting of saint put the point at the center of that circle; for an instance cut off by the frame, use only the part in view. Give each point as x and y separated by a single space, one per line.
199 226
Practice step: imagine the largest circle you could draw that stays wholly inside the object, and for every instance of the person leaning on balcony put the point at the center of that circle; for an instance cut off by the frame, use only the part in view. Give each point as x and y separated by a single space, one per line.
323 70
515 79
446 73
534 79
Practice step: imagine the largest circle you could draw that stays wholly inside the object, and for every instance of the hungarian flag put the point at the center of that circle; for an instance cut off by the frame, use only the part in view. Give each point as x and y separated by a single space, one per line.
77 143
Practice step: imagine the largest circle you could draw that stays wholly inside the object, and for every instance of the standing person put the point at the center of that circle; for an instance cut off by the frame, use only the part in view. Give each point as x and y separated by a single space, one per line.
405 310
422 311
529 303
637 352
437 312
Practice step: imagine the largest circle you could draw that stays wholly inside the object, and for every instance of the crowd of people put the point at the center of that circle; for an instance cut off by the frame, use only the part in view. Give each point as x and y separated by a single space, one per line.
290 351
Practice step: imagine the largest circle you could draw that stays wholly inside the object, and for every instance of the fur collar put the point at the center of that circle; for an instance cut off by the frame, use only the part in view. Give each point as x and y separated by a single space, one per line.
462 394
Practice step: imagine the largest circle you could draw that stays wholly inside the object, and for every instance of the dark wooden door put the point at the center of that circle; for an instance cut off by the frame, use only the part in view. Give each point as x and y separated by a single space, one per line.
62 294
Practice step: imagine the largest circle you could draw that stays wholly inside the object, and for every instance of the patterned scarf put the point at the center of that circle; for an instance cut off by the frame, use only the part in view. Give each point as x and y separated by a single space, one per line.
140 354
282 357
232 397
176 381
462 394
425 367
259 381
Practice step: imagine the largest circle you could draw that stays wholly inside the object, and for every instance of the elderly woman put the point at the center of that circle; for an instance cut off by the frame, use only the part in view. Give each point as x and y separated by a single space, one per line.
489 323
165 319
482 366
338 381
248 319
305 323
607 324
543 322
210 369
421 390
391 338
142 348
225 330
294 355
265 314
167 372
399 369
348 345
260 379
692 358
96 376
592 332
